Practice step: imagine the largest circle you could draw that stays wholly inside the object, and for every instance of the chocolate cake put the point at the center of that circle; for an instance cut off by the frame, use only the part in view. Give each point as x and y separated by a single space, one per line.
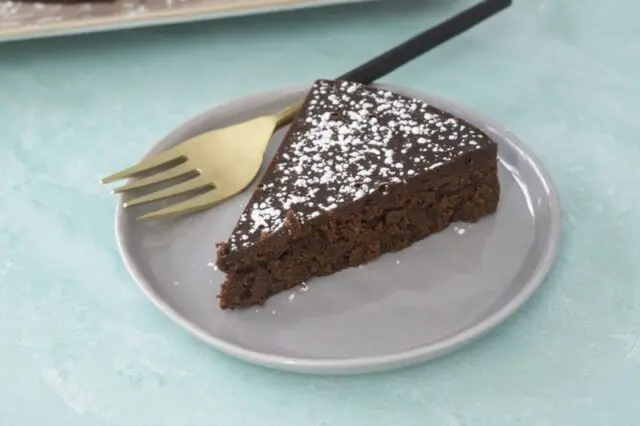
361 172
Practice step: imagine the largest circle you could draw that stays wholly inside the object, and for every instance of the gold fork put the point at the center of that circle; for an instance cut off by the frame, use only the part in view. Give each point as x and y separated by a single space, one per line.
218 164
221 163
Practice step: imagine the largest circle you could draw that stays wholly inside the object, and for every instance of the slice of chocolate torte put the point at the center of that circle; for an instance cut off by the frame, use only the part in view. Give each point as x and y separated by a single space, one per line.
361 172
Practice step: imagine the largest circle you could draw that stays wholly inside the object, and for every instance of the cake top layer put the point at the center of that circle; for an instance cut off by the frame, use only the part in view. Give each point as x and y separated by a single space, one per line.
349 141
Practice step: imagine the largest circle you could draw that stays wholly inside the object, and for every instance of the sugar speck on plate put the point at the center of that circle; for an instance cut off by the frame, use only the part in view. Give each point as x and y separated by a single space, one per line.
304 287
176 283
292 296
273 312
461 231
398 262
211 264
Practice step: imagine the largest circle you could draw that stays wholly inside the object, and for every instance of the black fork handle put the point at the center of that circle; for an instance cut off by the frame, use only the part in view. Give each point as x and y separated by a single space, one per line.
396 57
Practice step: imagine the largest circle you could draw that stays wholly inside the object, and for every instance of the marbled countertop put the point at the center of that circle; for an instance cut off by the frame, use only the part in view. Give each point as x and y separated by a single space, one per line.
80 345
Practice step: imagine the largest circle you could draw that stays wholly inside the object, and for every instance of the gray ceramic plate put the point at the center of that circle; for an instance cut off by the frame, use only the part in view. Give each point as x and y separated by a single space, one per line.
402 309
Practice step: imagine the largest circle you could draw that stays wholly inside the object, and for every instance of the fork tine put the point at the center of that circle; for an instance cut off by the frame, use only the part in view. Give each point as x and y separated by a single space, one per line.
199 202
164 175
181 188
158 160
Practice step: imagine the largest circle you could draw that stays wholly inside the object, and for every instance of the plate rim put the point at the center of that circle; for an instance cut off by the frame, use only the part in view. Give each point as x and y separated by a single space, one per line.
376 363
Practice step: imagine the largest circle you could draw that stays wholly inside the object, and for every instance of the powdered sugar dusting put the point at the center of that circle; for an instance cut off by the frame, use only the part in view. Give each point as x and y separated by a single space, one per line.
351 141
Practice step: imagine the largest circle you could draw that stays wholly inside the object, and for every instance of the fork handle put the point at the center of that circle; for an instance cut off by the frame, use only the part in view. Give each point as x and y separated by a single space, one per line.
394 58
425 41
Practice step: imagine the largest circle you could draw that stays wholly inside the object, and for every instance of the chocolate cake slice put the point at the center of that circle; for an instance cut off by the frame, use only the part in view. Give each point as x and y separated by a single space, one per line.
361 172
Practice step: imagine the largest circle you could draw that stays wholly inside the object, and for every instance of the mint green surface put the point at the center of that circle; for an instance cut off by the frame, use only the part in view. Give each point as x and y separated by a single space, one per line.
80 345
